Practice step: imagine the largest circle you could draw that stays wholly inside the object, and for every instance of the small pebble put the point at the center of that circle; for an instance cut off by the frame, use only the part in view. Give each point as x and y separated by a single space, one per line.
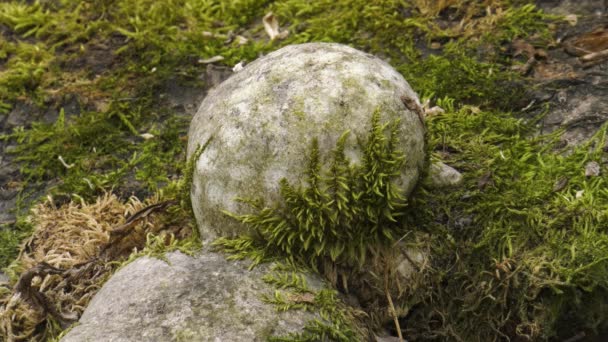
592 169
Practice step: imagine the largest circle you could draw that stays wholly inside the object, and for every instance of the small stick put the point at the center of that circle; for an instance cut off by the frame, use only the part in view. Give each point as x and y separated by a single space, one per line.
391 305
594 56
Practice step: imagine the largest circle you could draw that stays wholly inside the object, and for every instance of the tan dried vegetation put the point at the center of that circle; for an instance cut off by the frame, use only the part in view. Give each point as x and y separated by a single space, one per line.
74 249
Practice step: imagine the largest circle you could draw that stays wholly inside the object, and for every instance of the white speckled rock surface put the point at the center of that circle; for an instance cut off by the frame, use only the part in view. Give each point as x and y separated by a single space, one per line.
264 117
194 299
442 175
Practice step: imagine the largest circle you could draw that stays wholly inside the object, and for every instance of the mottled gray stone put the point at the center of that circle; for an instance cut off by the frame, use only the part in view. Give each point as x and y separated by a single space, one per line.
20 115
442 175
201 298
263 118
592 169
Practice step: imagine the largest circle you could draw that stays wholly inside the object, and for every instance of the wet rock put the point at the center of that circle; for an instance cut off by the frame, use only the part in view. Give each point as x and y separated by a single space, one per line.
410 261
21 114
71 105
4 278
442 175
7 216
8 171
580 7
202 298
183 99
580 110
568 89
264 117
215 75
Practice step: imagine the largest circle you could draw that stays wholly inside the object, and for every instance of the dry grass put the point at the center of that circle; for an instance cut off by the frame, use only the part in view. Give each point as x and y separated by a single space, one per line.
70 256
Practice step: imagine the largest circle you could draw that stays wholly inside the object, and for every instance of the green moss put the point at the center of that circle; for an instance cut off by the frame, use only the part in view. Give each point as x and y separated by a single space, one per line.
343 217
526 263
547 247
337 321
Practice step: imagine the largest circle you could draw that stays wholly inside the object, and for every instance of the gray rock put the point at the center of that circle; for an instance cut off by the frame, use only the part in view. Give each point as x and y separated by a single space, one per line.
442 175
202 298
263 118
592 169
580 7
21 114
409 261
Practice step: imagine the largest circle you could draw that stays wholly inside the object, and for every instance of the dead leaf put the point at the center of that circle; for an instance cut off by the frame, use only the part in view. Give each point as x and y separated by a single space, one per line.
271 25
434 111
240 40
308 298
211 60
412 105
587 43
521 47
541 54
435 45
102 106
572 19
554 71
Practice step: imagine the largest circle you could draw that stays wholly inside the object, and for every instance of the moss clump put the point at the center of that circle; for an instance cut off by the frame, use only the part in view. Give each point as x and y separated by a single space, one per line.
513 255
345 214
337 321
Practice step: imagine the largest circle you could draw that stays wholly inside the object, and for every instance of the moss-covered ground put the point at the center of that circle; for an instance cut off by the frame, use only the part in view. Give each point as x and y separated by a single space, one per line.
519 251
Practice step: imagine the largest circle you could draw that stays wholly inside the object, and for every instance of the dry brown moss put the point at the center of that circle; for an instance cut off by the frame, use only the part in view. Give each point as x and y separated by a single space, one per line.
73 250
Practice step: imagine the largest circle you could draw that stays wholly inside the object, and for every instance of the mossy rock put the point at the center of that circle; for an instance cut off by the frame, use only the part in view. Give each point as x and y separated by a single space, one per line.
200 298
261 122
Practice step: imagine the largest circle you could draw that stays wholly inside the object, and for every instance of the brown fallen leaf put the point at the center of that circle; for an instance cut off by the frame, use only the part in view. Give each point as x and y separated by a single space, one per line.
572 19
554 70
413 105
211 60
521 47
271 25
307 298
587 43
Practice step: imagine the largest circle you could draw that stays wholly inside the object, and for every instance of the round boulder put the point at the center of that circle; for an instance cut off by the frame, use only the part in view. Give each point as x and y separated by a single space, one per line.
260 123
183 298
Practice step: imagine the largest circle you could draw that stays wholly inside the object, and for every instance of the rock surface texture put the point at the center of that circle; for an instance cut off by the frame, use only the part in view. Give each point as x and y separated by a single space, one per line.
442 175
202 298
263 118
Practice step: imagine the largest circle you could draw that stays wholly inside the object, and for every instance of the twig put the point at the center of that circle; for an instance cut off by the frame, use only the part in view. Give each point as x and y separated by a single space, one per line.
124 229
37 298
581 335
390 303
66 165
594 56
